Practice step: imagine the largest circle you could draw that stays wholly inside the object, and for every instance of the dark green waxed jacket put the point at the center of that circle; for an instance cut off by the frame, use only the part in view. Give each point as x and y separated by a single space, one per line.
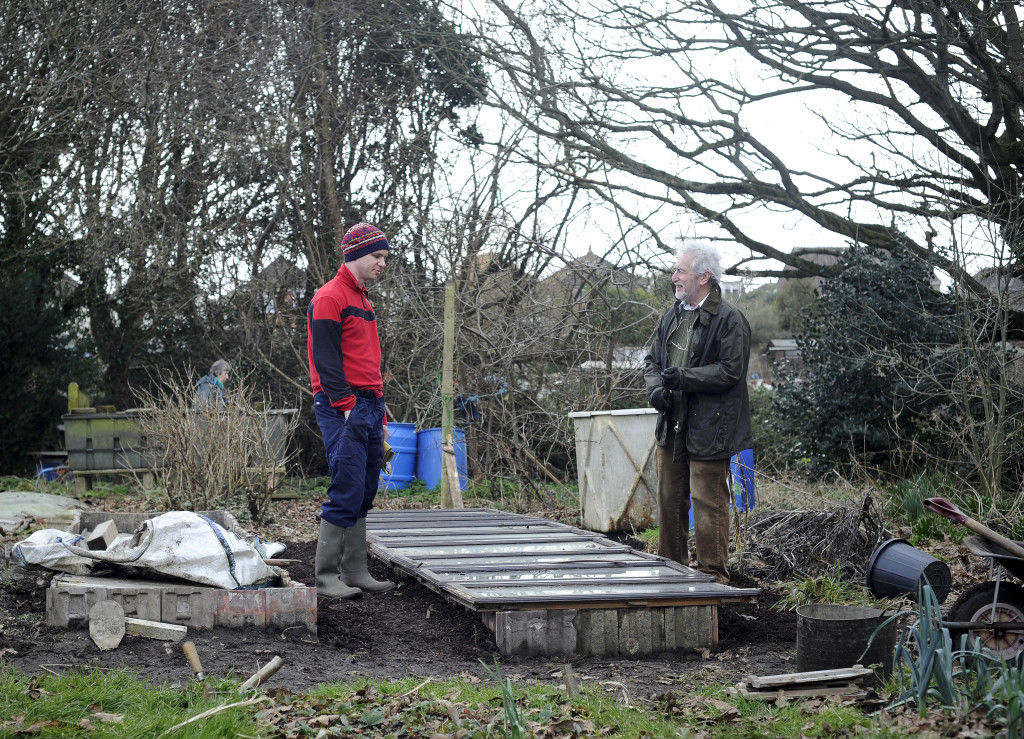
715 421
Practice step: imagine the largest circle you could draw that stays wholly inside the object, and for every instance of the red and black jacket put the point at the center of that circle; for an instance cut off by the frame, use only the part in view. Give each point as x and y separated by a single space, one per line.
342 341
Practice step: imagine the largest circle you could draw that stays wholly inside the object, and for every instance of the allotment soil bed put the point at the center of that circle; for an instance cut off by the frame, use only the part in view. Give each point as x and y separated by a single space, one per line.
410 632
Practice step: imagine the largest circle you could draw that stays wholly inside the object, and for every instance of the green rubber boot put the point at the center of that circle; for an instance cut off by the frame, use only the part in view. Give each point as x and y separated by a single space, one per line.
353 562
329 548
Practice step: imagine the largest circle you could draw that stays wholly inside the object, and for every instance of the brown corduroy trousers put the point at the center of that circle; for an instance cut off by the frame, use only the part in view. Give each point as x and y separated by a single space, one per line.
705 486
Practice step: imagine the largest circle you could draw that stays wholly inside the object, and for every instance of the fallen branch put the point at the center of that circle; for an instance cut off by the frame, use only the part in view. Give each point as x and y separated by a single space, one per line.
214 711
406 695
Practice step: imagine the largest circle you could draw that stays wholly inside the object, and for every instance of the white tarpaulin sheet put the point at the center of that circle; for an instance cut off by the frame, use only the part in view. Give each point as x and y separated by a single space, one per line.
180 544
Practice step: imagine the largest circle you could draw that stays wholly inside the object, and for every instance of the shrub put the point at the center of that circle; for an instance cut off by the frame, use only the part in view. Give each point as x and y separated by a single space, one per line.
215 456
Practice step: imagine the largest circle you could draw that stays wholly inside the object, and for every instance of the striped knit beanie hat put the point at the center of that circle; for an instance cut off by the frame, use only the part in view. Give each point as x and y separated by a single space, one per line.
363 239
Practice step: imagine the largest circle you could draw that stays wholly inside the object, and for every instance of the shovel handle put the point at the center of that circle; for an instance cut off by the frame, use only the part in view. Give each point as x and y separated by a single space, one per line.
1008 544
946 509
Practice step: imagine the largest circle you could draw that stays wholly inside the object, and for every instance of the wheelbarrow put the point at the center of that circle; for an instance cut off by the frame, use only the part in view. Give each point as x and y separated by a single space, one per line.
990 613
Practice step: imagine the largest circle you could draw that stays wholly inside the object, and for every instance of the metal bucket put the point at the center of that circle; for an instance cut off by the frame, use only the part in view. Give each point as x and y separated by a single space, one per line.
830 637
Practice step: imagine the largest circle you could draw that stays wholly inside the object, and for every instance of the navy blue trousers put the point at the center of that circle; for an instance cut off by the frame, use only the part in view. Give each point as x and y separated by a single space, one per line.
355 453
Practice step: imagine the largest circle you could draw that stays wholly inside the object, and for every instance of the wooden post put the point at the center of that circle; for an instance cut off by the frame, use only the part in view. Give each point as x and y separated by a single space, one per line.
451 490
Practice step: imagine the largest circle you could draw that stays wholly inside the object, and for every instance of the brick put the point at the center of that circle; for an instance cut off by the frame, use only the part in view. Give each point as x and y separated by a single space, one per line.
102 536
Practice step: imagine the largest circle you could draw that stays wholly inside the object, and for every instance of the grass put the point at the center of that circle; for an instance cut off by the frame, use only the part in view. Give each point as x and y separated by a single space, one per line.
114 704
102 488
121 704
829 588
906 504
17 484
649 538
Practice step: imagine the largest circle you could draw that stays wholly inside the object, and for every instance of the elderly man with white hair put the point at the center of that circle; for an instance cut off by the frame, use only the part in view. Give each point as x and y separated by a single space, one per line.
696 378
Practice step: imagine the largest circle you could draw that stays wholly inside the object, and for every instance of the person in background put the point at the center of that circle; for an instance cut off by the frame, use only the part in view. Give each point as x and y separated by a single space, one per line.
696 378
348 400
210 388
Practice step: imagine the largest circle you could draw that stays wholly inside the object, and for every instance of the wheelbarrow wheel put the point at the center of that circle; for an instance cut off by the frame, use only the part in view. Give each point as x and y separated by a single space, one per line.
1006 640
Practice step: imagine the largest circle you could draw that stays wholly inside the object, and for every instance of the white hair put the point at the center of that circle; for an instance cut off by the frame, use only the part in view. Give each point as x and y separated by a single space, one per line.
705 258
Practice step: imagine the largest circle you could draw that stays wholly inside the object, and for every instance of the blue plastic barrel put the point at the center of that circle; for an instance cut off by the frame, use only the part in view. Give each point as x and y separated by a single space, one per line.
402 438
743 479
50 471
428 457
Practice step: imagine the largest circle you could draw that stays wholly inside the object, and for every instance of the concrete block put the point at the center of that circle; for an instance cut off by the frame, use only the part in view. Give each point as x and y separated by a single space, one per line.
68 608
154 629
636 633
692 627
69 598
102 536
138 602
86 520
188 605
628 633
540 632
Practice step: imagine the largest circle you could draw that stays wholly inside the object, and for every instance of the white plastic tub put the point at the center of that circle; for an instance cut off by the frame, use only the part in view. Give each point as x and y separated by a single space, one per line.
618 477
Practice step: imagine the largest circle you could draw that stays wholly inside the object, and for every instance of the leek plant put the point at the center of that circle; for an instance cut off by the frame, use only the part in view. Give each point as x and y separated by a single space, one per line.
515 726
963 679
925 654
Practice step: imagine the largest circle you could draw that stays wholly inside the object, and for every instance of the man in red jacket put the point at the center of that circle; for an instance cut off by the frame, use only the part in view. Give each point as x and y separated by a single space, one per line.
348 399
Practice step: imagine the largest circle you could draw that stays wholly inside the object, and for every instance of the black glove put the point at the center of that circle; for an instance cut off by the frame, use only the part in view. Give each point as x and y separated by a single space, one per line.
670 378
661 400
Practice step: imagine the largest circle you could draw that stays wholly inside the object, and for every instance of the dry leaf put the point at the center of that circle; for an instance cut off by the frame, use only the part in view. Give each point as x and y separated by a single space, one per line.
728 710
324 719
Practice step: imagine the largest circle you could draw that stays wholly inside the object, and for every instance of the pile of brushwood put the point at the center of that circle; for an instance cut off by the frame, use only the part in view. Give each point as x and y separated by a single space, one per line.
781 545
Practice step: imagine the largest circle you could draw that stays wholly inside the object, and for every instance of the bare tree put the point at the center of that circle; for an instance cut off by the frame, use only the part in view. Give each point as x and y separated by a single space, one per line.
537 327
668 101
984 417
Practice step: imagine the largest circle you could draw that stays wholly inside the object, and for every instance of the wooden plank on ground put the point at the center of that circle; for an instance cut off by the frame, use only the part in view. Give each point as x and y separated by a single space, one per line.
846 692
800 678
